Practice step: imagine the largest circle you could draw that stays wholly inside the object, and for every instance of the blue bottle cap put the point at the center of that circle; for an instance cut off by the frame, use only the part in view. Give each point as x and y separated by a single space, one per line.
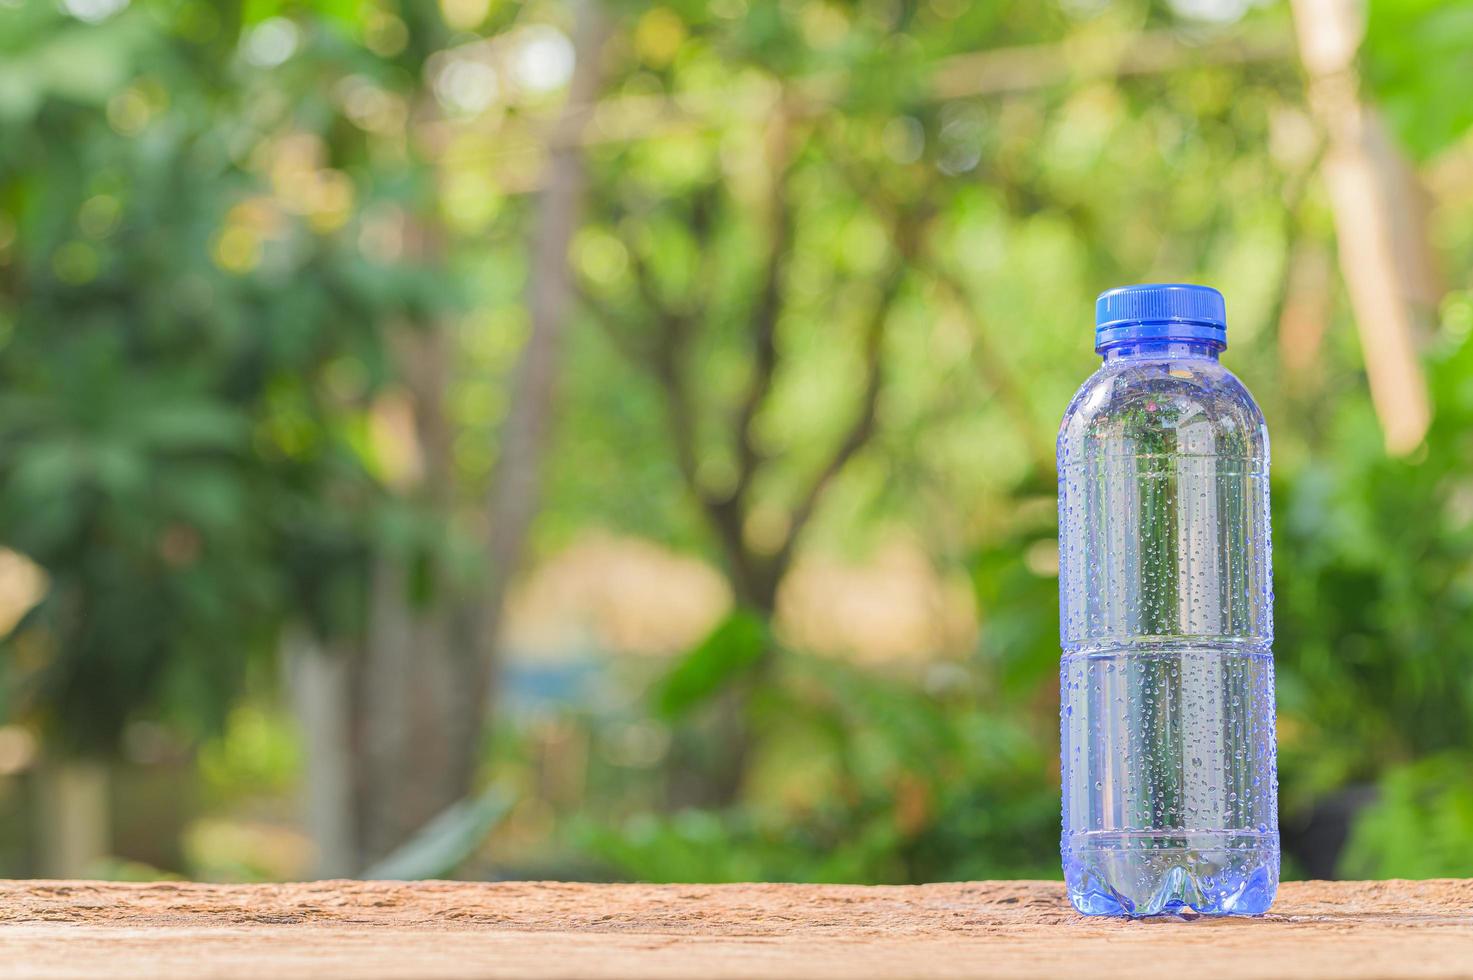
1160 311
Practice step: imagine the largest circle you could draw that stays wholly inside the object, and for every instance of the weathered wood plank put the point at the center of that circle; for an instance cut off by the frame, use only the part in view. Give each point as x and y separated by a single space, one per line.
454 930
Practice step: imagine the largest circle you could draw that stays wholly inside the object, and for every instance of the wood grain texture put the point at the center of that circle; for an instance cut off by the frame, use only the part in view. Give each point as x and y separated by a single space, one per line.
456 930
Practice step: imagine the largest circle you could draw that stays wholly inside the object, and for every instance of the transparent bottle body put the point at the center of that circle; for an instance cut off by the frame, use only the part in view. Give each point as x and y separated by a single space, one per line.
1166 621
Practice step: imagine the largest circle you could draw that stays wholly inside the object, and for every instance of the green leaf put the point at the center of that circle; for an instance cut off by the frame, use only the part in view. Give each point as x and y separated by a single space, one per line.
734 647
89 63
444 843
20 93
1417 57
188 427
47 468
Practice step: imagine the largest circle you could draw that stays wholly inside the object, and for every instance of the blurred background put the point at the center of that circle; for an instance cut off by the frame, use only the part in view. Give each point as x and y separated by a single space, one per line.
614 440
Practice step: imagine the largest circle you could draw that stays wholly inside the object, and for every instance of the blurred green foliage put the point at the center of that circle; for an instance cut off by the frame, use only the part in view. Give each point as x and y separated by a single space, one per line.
869 778
256 754
1369 595
1421 825
1416 54
184 368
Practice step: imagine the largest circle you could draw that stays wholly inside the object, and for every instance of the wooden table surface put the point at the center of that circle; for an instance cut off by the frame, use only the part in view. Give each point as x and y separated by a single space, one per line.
455 929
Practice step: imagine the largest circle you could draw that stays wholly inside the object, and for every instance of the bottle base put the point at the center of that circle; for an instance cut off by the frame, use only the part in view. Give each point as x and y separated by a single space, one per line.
1145 873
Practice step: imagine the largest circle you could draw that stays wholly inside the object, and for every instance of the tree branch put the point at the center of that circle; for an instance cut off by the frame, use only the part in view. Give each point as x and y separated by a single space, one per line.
988 73
906 231
620 339
766 313
663 361
992 365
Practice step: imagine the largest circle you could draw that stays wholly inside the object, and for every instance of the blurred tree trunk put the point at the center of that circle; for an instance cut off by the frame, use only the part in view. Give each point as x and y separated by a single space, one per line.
405 714
322 700
411 706
73 809
1385 258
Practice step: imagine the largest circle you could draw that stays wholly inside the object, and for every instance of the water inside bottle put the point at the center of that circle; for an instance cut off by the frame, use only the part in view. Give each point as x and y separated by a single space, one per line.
1166 678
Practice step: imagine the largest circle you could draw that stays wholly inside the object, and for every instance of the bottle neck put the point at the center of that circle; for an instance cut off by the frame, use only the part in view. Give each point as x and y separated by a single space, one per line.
1161 350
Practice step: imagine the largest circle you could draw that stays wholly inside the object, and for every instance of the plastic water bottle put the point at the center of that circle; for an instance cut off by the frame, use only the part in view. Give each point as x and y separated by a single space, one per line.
1166 616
